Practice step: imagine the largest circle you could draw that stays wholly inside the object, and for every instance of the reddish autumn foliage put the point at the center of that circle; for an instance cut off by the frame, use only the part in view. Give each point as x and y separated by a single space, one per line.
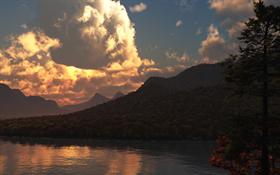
240 163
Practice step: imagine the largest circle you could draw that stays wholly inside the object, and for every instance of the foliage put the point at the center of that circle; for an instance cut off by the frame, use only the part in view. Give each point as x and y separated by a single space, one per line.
260 38
136 116
254 71
241 161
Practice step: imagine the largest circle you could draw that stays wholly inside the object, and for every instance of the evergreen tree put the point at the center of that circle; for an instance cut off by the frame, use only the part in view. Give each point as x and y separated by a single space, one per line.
255 70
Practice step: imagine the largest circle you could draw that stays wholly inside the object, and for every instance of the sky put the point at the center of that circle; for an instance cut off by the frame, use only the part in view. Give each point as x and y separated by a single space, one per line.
68 50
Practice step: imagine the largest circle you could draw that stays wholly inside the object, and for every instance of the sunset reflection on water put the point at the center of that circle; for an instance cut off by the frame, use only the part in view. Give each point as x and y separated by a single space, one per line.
17 159
39 157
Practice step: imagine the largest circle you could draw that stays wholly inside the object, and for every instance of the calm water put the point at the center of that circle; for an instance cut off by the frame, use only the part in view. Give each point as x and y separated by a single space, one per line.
59 157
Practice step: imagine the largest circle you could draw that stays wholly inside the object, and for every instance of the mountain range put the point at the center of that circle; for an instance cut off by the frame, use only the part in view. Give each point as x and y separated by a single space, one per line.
14 104
197 103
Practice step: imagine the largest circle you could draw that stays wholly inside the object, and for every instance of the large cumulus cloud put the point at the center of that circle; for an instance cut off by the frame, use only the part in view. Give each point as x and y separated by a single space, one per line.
94 33
81 47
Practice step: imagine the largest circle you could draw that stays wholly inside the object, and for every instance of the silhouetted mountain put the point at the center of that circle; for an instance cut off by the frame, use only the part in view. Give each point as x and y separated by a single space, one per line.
194 107
204 75
118 95
15 104
97 99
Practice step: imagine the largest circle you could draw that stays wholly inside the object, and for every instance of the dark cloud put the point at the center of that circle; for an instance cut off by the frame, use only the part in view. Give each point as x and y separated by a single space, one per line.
57 20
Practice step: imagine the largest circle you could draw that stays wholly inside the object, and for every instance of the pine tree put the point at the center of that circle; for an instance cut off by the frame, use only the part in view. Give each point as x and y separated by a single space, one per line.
256 68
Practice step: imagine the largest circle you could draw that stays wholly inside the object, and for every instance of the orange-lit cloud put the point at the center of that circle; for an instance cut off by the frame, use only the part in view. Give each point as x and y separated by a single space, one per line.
107 33
214 48
27 65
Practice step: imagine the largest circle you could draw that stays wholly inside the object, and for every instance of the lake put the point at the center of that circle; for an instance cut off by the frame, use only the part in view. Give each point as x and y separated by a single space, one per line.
90 157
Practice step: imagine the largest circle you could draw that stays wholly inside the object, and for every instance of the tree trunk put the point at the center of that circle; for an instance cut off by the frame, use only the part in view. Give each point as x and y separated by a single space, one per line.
265 167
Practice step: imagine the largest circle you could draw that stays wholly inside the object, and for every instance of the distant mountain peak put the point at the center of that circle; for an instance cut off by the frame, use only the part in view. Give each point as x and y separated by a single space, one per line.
11 99
4 86
97 95
95 100
98 99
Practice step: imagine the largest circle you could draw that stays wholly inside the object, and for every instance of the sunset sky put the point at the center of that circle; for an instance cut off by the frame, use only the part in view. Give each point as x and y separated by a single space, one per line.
68 50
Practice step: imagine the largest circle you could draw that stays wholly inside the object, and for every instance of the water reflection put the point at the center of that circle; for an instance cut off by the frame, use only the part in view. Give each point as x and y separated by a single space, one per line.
104 157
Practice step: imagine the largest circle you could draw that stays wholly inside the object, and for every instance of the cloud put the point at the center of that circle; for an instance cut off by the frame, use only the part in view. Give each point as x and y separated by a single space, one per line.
110 34
214 48
198 31
179 23
138 8
36 61
237 7
73 54
94 33
235 12
24 26
27 65
232 13
241 7
235 30
185 5
182 59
